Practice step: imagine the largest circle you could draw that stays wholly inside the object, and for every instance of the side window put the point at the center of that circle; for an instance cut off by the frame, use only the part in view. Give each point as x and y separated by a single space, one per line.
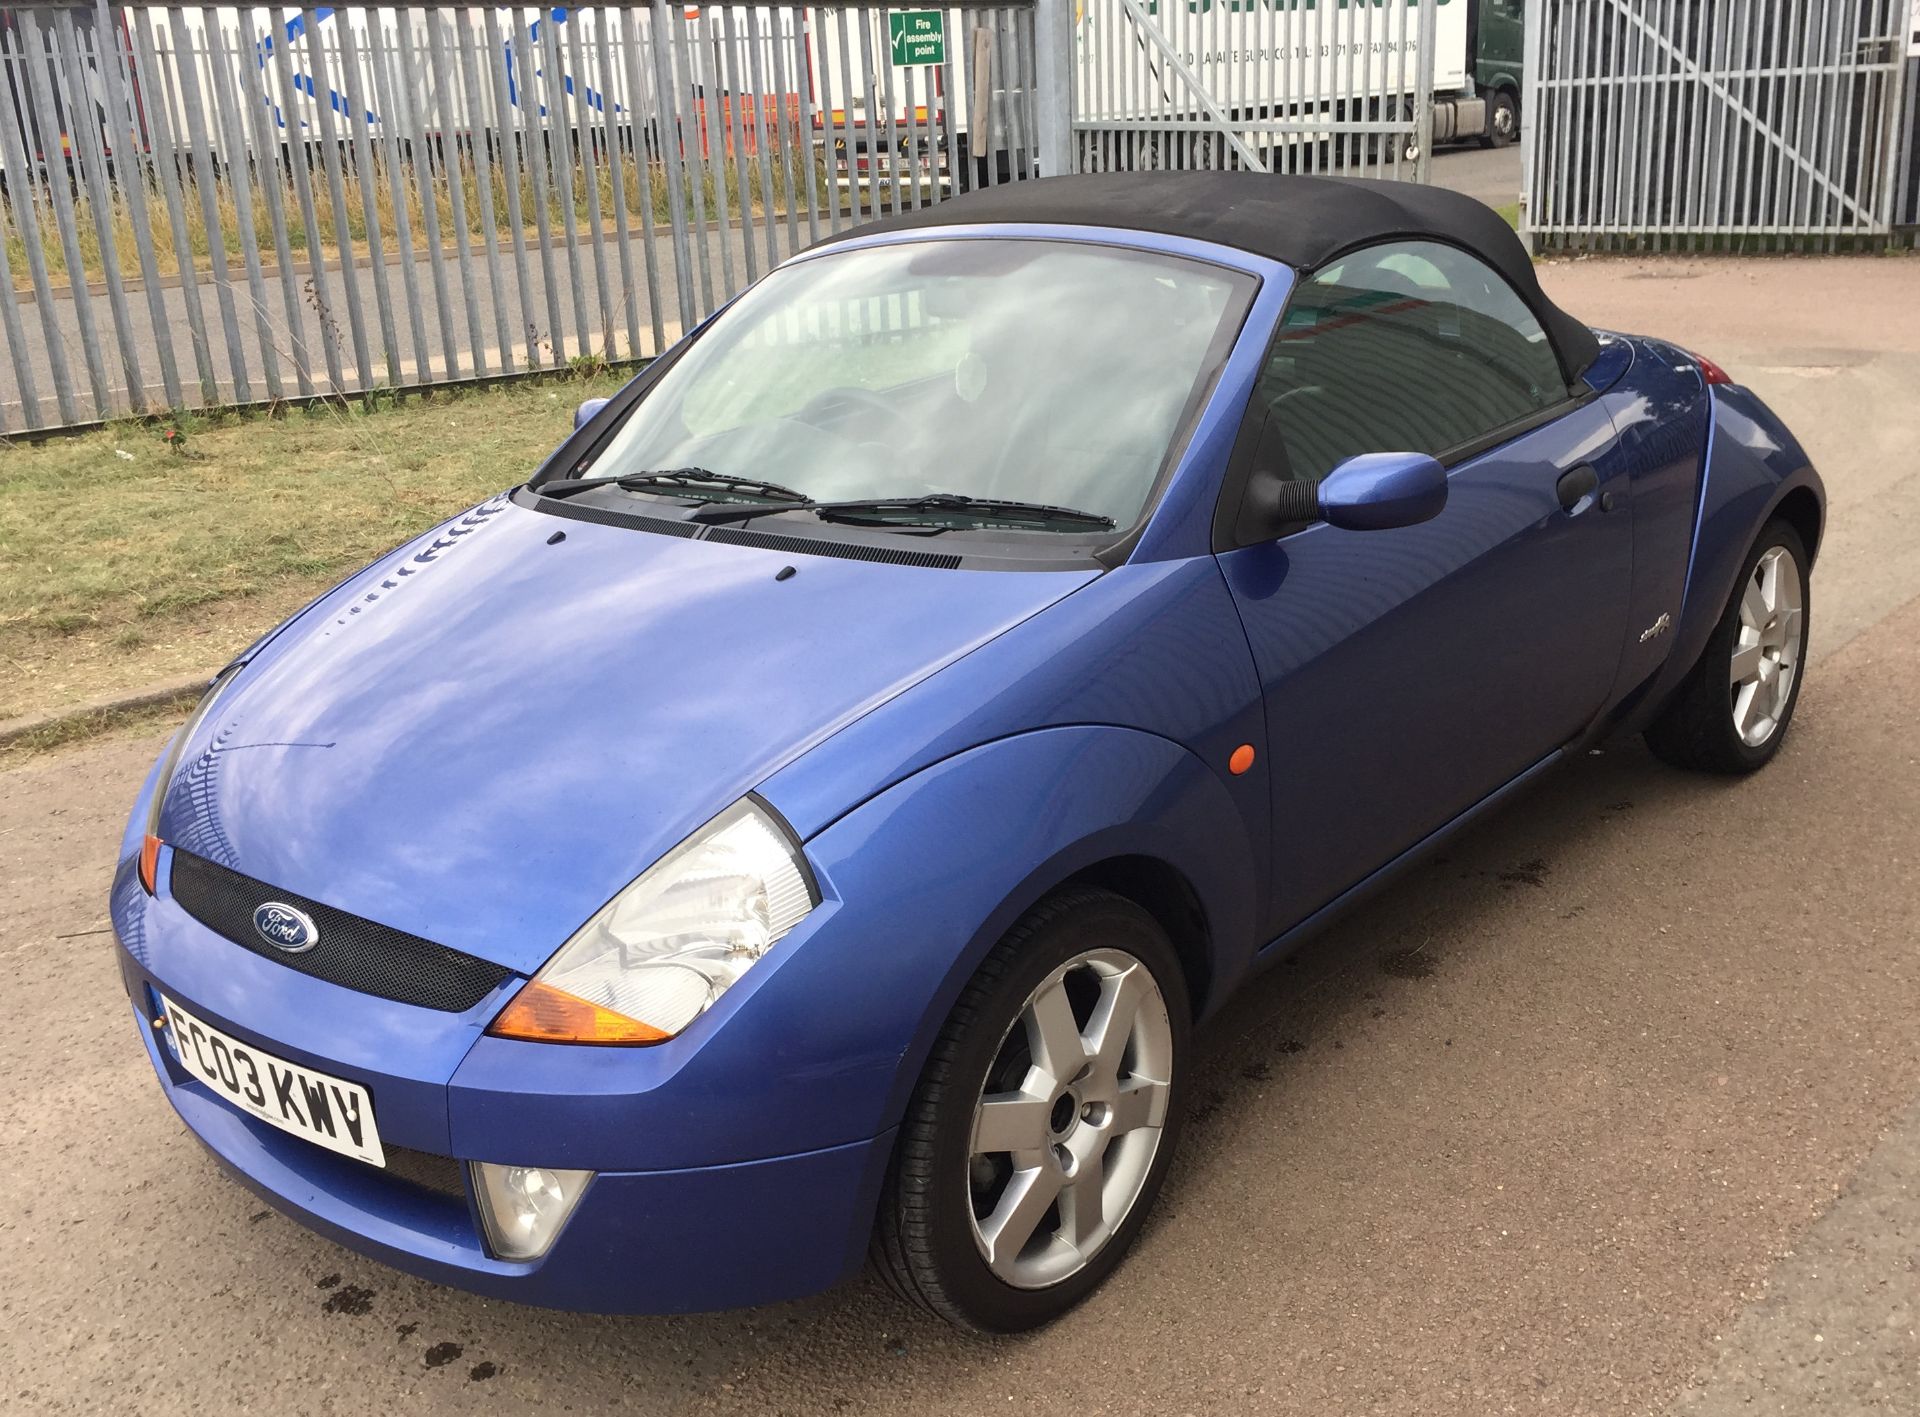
1411 346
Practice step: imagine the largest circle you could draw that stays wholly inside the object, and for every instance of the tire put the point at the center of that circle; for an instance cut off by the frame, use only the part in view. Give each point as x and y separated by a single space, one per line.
1503 119
1080 950
1713 723
1379 146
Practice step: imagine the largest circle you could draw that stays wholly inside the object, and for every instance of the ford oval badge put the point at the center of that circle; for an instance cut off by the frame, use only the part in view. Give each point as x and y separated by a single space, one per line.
285 928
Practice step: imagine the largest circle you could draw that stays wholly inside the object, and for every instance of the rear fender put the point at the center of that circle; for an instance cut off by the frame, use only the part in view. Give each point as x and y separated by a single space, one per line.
1753 467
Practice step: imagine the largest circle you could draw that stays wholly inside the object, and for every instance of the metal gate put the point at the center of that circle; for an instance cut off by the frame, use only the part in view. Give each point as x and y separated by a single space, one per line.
1266 85
1906 199
1662 124
238 205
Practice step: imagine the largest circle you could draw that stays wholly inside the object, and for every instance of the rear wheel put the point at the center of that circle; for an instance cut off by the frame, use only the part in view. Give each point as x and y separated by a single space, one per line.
1503 119
1380 147
1044 1122
1732 710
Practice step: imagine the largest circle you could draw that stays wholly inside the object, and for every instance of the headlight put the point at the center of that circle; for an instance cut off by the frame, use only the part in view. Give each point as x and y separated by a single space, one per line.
656 956
150 847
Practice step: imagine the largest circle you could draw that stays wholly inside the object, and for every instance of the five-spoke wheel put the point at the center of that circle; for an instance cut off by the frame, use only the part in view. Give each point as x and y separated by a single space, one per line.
1069 1121
1766 650
1731 711
1045 1118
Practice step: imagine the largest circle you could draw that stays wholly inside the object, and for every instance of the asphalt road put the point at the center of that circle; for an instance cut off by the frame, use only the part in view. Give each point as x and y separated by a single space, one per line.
1490 174
1613 1108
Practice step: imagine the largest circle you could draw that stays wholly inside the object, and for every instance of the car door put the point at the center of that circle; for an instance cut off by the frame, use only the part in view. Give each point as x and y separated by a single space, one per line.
1411 672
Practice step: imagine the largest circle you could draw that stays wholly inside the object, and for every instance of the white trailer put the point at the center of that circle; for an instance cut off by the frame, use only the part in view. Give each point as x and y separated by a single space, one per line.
1160 79
1275 73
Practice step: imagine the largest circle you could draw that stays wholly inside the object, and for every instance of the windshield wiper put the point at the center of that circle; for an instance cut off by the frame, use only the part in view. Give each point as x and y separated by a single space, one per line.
673 477
899 511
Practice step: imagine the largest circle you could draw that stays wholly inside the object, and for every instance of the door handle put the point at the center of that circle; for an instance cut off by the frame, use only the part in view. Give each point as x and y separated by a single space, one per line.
1576 485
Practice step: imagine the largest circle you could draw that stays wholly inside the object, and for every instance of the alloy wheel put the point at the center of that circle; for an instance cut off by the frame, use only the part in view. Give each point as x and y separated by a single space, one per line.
1070 1118
1766 649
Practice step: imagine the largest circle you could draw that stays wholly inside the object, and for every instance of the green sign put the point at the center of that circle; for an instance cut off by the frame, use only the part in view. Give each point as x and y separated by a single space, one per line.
919 37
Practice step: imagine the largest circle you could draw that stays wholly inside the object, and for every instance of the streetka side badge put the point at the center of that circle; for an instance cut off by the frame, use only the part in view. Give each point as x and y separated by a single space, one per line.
1657 628
286 929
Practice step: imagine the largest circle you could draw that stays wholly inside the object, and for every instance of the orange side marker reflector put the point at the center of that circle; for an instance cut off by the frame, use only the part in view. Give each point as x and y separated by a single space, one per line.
1241 760
149 862
540 1013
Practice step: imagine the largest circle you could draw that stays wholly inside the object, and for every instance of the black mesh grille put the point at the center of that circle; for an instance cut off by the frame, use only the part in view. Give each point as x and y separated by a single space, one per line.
580 512
353 953
441 1175
820 546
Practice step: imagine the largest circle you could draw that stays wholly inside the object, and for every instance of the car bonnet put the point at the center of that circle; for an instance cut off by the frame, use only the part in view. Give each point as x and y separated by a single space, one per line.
482 737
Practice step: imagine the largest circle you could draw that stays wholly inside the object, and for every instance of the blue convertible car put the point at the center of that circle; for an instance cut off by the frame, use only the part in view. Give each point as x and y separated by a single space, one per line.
810 817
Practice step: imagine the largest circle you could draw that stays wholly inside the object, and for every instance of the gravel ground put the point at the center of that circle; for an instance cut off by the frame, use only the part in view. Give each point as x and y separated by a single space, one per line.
1613 1108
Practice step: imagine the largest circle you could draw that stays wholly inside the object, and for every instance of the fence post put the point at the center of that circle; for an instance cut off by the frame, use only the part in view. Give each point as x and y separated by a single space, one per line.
1423 93
1052 81
1532 54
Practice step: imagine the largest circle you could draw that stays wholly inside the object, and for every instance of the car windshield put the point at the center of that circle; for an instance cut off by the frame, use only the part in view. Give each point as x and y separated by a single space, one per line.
1019 370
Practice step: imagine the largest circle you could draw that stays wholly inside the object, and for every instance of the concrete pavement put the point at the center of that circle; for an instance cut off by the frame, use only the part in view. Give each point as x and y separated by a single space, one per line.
1490 175
1613 1108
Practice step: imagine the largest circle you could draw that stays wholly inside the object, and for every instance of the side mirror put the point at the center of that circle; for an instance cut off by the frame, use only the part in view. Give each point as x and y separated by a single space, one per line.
584 414
1375 491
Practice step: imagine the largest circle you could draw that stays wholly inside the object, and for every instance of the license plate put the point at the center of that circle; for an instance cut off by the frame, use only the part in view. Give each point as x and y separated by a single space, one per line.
327 1111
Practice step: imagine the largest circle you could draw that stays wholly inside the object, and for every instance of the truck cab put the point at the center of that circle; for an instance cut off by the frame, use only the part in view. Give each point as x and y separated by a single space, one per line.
1498 56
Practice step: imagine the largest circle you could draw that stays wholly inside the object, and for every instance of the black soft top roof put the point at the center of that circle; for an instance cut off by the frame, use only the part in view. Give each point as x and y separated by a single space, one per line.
1303 222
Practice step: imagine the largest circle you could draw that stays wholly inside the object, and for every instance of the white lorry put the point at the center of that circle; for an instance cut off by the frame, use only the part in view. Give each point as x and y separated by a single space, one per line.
1273 72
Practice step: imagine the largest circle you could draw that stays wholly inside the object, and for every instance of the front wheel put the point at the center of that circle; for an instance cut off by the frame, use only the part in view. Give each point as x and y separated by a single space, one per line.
1044 1122
1731 711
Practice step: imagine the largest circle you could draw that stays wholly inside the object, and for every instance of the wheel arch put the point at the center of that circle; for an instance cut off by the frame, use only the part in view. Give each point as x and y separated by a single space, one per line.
1753 471
970 844
1162 890
1803 510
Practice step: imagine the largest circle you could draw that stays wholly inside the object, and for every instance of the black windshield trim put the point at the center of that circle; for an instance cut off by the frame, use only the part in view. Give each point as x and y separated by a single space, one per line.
989 549
915 511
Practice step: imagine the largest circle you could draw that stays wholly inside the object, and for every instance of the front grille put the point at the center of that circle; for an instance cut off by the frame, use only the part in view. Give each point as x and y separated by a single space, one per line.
441 1175
353 953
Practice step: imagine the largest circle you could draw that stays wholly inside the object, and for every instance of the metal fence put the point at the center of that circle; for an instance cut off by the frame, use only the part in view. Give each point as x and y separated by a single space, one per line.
237 205
1906 202
1665 124
1265 85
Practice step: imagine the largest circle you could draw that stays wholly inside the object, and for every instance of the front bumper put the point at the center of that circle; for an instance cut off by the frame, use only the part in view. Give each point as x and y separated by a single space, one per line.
657 1241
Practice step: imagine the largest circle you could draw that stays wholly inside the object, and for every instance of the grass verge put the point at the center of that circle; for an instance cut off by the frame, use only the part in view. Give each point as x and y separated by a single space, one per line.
371 209
128 556
151 720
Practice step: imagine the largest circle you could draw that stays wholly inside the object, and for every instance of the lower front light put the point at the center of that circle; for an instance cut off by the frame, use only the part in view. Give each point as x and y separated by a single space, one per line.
525 1207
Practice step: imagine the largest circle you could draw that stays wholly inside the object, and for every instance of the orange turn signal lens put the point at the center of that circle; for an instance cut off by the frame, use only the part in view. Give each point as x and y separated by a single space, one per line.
540 1013
1241 760
150 862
